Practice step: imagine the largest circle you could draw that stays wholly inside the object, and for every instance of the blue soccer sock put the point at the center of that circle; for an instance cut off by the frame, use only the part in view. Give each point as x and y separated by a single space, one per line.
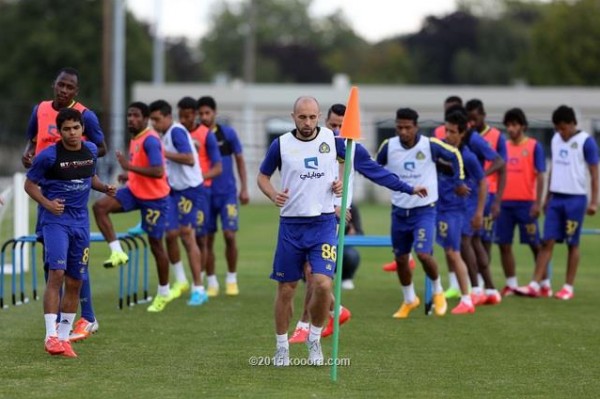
85 300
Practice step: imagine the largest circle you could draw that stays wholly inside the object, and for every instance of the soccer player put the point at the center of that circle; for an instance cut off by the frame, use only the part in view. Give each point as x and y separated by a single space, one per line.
42 132
450 102
412 157
185 200
210 163
454 211
496 183
60 180
364 164
223 201
147 189
521 201
574 154
307 159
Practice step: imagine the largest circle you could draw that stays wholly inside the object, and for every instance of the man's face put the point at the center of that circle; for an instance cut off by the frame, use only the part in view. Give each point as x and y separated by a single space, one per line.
71 132
453 135
476 119
136 122
406 129
334 122
207 115
306 117
187 117
66 88
566 130
514 130
160 122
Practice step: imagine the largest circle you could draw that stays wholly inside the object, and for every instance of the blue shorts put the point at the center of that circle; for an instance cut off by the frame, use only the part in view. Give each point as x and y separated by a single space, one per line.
300 240
67 248
202 215
224 206
183 207
466 227
449 227
487 231
515 213
413 226
564 218
153 212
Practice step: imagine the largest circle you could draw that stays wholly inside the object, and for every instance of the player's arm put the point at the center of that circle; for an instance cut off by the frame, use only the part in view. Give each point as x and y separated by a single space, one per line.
439 149
539 164
183 153
381 157
240 165
495 207
93 131
102 187
216 162
32 127
365 165
268 166
153 148
590 152
477 221
36 173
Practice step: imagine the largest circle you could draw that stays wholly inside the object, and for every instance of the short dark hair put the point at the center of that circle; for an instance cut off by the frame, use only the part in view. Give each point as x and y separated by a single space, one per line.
457 117
475 104
515 115
564 114
162 106
187 103
407 113
338 109
453 100
68 114
207 101
69 71
142 107
456 108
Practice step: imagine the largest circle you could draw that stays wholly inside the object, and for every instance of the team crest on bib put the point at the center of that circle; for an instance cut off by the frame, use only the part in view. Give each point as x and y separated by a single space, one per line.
525 153
574 146
420 156
137 148
324 148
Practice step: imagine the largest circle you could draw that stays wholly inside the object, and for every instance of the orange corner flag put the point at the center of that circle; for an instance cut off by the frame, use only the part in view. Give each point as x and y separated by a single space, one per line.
351 125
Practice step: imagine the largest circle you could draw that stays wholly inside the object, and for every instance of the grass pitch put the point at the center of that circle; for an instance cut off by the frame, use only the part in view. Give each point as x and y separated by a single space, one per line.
522 348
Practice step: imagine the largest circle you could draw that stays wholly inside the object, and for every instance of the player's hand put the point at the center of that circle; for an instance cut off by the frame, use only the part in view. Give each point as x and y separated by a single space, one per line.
122 178
123 161
535 210
495 209
111 190
337 188
591 209
338 211
56 206
282 197
420 191
1 201
244 197
463 190
477 222
27 159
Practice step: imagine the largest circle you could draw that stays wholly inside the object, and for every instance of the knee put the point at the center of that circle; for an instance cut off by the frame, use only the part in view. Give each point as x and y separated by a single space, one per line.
285 292
423 257
229 237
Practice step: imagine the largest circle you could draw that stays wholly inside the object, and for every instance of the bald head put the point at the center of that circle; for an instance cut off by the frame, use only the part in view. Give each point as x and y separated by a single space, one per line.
305 100
306 117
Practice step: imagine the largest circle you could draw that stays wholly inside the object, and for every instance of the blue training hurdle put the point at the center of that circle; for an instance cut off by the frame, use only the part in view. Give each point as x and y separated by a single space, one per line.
133 241
386 241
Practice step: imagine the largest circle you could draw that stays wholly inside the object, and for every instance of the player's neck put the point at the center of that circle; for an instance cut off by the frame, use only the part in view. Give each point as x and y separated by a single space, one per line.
58 107
69 147
519 139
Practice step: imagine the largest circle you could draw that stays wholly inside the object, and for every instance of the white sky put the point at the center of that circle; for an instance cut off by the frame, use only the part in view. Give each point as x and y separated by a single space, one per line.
371 19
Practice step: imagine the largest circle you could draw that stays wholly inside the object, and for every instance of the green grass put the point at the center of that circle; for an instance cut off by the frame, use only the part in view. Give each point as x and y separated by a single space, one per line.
521 348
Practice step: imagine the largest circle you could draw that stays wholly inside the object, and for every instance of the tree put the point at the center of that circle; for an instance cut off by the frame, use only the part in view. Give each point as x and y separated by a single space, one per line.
292 45
565 47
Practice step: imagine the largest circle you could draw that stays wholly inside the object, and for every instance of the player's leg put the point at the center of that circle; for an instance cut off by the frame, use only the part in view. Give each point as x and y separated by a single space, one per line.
350 266
211 278
300 334
191 203
55 248
230 223
442 238
402 239
181 283
103 207
505 227
69 304
154 223
465 305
